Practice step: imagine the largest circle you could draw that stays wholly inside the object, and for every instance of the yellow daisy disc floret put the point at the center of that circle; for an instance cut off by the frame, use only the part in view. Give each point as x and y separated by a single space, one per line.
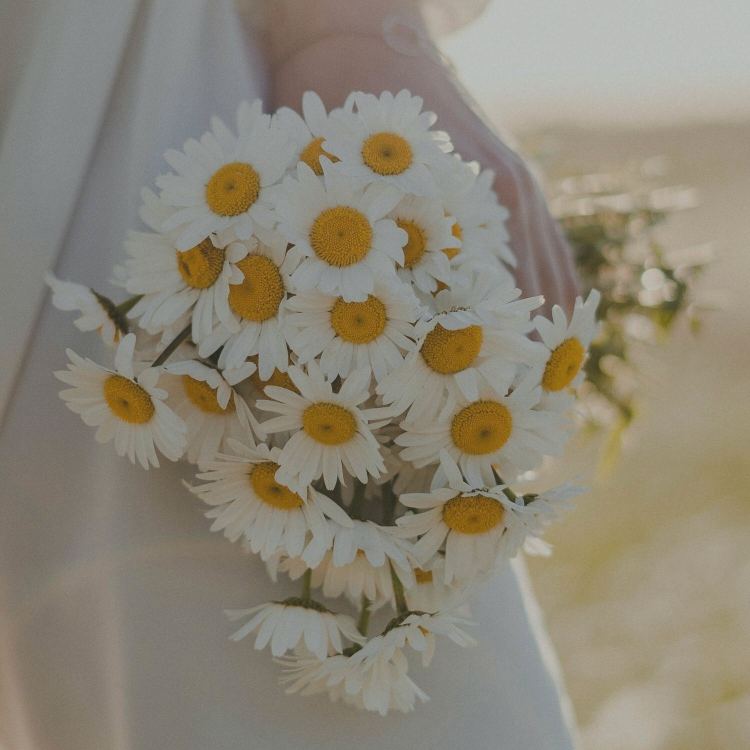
472 515
232 189
341 236
265 486
311 155
329 424
387 153
416 245
563 365
449 352
481 428
423 576
127 400
259 295
201 266
203 396
359 322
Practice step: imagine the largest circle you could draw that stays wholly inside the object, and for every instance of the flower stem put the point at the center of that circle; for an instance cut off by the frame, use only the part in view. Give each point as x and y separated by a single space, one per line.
172 347
389 503
358 500
364 616
508 492
398 592
307 584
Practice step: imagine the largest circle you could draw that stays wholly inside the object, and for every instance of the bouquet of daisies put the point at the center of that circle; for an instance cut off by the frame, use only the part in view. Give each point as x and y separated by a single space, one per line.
323 318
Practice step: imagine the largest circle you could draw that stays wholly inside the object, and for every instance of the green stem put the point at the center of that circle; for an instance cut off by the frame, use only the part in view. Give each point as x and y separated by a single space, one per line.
173 345
358 500
398 592
307 584
129 304
508 492
389 503
364 616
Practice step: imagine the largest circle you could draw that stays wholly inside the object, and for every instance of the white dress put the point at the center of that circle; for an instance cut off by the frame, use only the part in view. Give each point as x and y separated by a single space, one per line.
112 588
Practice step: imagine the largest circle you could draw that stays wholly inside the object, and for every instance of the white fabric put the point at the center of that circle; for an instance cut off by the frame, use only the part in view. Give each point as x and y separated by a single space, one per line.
112 588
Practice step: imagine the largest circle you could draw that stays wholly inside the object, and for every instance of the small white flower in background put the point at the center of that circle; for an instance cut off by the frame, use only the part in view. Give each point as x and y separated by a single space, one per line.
333 434
431 240
286 624
222 181
306 132
129 410
249 501
430 593
388 139
342 233
489 431
213 411
195 281
258 306
473 340
348 336
567 343
98 313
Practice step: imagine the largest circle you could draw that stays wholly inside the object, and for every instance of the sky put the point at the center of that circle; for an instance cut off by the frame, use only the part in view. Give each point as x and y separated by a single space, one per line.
612 61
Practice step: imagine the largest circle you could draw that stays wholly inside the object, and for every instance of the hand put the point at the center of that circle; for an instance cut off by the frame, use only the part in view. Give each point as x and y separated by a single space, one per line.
333 65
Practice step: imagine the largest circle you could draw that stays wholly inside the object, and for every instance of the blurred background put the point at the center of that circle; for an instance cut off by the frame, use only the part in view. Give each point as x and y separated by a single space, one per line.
647 593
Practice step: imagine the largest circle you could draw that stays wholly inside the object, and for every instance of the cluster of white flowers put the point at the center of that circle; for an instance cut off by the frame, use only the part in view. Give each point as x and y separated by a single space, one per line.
325 321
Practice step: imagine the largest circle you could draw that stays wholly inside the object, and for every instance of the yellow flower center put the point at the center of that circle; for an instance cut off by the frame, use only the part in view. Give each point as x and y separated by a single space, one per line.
359 322
232 189
202 396
387 153
201 265
127 400
329 424
449 352
311 155
278 378
265 486
481 428
259 295
416 245
423 576
473 515
341 236
563 365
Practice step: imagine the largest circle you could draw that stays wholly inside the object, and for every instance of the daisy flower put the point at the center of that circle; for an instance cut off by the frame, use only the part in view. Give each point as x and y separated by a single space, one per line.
383 685
174 283
306 132
257 307
98 313
567 343
222 182
359 563
470 520
475 338
332 433
127 409
351 335
286 624
480 220
430 593
248 500
342 233
490 431
388 139
430 236
212 410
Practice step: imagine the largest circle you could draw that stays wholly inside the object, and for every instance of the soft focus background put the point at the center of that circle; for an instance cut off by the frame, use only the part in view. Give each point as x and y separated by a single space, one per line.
647 594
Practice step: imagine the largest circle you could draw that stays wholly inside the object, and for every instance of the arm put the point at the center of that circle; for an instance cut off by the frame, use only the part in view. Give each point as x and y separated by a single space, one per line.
336 46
